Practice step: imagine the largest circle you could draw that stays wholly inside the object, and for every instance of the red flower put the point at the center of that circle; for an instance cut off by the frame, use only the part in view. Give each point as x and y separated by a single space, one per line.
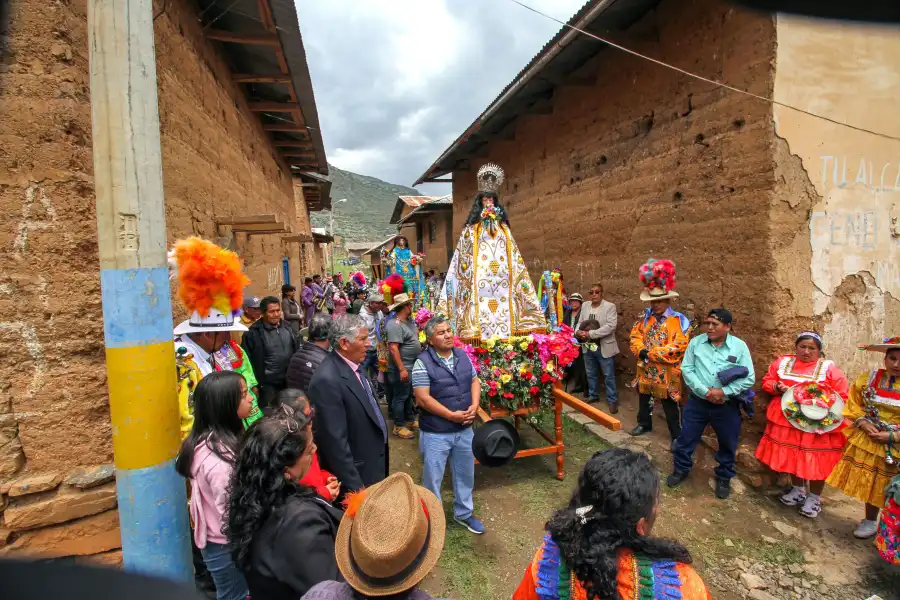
534 390
529 375
481 351
508 395
492 393
545 378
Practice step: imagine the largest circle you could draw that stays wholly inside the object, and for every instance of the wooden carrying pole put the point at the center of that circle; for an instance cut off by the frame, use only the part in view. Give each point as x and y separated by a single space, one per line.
134 282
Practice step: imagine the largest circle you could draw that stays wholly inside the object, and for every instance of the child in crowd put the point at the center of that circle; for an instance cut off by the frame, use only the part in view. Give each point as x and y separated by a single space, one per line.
221 402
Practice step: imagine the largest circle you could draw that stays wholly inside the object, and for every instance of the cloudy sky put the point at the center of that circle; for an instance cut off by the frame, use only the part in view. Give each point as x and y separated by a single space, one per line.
396 81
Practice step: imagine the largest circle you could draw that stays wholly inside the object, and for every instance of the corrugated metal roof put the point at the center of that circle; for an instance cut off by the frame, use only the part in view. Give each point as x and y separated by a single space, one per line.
559 56
412 201
425 207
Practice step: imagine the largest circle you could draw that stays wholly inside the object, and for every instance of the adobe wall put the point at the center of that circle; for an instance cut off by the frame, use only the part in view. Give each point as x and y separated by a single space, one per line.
54 418
837 242
436 252
648 162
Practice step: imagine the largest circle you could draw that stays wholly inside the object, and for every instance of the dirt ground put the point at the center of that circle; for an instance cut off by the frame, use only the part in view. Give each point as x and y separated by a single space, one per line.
749 535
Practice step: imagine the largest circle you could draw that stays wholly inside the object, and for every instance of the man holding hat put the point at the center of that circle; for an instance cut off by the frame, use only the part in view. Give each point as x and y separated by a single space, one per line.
448 392
404 348
708 357
658 341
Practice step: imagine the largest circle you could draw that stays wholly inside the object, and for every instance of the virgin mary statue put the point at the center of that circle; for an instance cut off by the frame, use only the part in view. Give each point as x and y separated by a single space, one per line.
488 292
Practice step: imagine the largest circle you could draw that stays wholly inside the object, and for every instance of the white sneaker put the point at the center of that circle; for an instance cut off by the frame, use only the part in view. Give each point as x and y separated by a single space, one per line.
866 529
795 496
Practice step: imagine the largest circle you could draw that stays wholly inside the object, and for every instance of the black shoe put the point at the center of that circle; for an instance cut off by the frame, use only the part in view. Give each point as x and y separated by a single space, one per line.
578 389
640 430
613 407
723 488
675 479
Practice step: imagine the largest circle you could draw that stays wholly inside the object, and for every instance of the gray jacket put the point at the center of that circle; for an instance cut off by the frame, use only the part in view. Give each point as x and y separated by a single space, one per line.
605 336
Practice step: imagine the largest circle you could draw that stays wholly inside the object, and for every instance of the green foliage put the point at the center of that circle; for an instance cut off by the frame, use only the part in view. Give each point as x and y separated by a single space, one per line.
365 216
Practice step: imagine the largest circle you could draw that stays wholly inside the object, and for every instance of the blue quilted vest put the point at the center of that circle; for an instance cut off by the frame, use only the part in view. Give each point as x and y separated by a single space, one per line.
453 389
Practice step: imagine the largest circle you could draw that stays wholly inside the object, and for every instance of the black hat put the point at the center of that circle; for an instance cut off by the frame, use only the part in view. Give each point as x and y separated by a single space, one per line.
722 315
495 443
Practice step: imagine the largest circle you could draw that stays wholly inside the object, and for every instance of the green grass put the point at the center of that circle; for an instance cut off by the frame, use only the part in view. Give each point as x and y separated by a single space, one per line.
468 568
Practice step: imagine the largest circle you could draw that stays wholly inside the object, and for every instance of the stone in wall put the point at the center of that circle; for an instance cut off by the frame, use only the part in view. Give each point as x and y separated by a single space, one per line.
65 505
90 535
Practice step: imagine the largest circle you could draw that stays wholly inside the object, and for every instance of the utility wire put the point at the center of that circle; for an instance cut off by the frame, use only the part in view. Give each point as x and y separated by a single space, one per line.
705 79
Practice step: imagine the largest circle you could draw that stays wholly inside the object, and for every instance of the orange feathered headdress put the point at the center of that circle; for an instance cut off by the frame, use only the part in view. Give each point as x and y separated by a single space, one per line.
208 276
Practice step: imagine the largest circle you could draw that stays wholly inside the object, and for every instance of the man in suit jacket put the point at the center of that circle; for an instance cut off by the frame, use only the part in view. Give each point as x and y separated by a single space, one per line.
600 347
349 428
575 374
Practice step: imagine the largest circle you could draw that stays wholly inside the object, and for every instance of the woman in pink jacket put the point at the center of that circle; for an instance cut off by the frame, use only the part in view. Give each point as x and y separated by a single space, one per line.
221 402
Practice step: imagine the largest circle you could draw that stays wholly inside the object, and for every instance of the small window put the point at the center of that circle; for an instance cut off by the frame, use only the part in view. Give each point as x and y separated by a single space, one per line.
432 232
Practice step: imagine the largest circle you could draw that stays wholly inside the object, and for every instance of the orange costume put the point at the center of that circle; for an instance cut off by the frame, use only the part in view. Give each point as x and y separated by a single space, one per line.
665 341
787 449
639 578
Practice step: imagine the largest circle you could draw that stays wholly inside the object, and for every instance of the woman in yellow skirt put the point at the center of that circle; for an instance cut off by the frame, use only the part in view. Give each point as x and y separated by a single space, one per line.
873 442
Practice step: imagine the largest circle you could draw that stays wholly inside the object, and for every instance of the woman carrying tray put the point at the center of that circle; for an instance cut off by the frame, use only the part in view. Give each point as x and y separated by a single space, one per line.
807 449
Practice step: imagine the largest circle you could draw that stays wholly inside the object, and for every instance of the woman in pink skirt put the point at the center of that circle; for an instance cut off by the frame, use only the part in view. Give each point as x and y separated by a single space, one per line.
786 449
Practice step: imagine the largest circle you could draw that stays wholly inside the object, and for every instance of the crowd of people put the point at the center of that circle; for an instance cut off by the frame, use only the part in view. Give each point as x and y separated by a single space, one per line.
820 429
287 457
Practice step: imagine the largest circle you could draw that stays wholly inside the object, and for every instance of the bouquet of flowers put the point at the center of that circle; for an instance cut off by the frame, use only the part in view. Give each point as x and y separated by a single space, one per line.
416 259
490 214
422 316
520 372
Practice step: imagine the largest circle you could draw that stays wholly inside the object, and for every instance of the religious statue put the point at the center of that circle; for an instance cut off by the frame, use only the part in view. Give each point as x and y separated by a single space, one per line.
488 292
402 261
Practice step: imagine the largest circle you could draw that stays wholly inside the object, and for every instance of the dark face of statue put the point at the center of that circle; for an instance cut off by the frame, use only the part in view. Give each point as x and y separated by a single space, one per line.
401 242
487 202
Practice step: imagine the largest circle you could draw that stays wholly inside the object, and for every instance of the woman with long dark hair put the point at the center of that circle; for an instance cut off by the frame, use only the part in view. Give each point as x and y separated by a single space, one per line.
283 532
599 546
221 402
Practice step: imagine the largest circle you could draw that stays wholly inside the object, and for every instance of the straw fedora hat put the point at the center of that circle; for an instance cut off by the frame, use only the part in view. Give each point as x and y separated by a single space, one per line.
400 300
393 539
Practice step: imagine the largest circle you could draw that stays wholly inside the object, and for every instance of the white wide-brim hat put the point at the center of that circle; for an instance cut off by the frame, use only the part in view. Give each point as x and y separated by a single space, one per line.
658 294
216 321
400 300
888 344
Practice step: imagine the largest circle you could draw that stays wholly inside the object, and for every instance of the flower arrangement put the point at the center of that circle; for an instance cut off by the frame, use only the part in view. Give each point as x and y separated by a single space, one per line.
422 316
416 259
491 213
520 371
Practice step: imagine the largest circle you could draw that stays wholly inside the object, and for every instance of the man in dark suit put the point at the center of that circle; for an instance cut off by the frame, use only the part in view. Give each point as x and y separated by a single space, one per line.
350 430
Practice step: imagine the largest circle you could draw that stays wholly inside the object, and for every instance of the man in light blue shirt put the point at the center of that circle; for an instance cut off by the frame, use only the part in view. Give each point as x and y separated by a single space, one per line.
717 368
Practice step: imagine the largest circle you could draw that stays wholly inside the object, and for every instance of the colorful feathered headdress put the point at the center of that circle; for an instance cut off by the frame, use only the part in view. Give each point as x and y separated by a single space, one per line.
210 285
358 278
658 277
391 286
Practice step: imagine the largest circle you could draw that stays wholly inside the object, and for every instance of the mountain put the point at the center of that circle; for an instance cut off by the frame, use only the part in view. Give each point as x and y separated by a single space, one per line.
364 216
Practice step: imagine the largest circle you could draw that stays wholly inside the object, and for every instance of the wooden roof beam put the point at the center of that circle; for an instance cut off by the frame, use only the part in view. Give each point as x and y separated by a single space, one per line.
286 128
254 78
248 219
293 144
242 38
273 106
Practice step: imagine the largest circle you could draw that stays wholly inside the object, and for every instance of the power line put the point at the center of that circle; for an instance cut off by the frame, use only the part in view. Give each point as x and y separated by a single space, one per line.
705 79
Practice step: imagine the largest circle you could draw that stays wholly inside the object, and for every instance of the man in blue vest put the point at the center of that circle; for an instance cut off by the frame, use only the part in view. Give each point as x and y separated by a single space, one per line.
448 391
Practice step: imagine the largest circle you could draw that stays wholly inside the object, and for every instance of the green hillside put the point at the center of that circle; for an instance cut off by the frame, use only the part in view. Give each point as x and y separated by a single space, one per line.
364 216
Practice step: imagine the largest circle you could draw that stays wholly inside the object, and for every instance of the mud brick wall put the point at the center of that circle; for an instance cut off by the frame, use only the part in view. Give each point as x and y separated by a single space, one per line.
54 417
646 163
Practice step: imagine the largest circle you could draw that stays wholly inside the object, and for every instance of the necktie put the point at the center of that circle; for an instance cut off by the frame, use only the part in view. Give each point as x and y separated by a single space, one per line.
365 383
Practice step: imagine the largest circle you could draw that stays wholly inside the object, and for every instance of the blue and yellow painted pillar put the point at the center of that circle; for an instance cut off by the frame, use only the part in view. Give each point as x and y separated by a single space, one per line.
137 308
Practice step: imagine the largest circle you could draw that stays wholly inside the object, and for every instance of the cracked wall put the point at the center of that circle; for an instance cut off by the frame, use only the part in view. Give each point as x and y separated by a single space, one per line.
836 209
